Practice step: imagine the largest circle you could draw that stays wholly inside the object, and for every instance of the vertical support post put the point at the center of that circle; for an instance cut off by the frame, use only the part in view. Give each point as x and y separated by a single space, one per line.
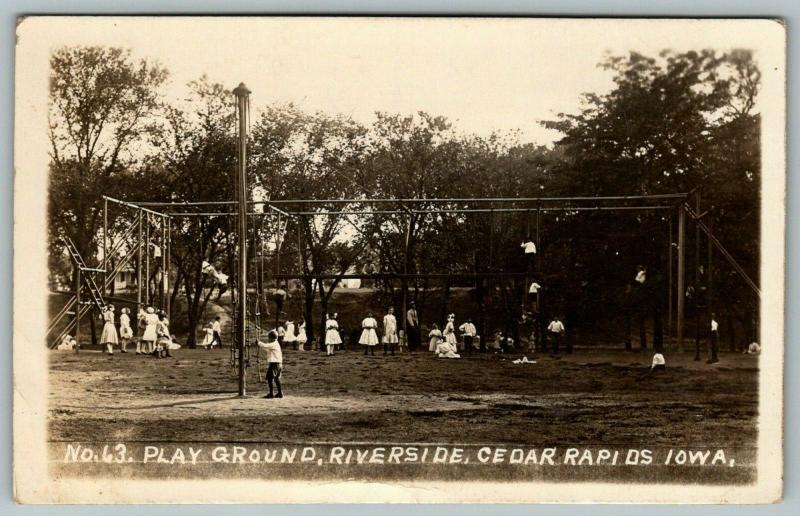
147 260
105 246
278 243
491 241
669 287
242 97
681 273
78 307
139 264
404 283
168 266
300 261
163 285
697 263
538 241
709 291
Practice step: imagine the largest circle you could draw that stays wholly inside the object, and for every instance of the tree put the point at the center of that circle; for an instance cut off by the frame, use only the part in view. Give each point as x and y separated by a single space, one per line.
196 159
671 123
307 156
101 101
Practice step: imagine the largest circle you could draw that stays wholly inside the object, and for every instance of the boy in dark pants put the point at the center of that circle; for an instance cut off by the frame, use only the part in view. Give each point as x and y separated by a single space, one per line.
274 363
556 331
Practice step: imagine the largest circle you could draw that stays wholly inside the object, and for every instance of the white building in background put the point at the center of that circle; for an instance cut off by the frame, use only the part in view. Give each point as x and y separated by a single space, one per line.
126 279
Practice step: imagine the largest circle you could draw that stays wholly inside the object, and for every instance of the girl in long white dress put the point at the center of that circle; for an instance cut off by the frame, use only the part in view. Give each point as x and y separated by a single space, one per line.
149 336
109 336
125 330
208 339
163 337
302 337
436 336
450 331
389 331
290 337
369 337
332 337
446 350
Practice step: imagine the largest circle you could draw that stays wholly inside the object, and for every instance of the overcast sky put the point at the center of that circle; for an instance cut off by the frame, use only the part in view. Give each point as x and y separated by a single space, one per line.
483 74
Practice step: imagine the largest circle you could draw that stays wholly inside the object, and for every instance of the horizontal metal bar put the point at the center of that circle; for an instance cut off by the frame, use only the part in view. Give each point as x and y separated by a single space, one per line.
479 199
443 210
137 206
92 269
480 210
415 200
464 275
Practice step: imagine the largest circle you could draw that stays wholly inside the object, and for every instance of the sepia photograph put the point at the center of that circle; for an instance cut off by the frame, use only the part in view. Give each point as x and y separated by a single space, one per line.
398 259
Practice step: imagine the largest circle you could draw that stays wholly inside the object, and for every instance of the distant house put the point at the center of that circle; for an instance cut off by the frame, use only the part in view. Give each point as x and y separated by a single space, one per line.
351 283
126 279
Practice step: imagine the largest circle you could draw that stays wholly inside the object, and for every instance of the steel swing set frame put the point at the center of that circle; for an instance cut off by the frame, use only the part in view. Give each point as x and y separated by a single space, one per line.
674 204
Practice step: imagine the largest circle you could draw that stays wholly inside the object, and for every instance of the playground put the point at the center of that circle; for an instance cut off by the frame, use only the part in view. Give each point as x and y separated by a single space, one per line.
604 390
588 398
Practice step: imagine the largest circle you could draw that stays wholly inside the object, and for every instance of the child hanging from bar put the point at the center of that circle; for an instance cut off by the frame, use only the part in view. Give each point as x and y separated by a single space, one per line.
332 337
389 331
529 248
274 363
369 337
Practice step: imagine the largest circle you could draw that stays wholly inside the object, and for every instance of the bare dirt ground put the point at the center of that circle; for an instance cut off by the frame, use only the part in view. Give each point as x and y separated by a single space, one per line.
590 398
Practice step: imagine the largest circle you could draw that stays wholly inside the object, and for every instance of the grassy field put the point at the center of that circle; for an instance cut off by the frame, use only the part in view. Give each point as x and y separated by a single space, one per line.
592 398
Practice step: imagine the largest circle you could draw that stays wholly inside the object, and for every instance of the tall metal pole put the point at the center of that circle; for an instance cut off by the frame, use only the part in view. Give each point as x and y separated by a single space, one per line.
139 264
670 293
168 223
709 292
105 246
147 261
697 277
78 307
278 250
242 97
681 273
405 274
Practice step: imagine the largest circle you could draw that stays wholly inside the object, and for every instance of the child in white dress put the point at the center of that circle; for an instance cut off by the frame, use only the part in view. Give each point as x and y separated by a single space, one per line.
208 339
150 335
389 331
302 338
332 337
125 330
435 335
450 331
109 336
369 337
290 337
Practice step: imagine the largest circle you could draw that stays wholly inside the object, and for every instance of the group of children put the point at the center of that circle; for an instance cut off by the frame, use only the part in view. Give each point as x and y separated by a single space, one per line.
392 336
155 339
